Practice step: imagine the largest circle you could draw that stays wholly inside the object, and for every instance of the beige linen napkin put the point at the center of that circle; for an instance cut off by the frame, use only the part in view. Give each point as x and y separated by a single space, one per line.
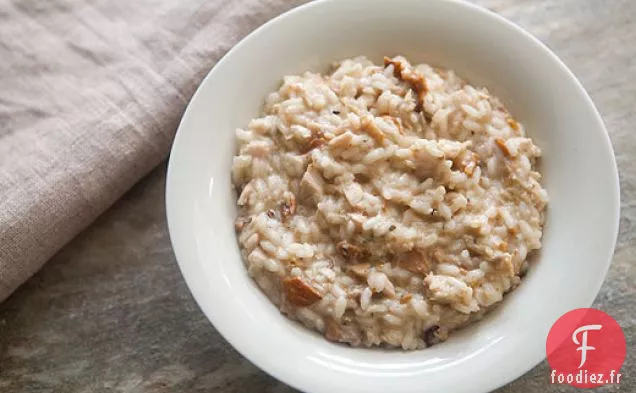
90 97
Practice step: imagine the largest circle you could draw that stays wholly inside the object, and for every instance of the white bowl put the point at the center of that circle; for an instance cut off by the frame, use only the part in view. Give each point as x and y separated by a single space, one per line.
578 165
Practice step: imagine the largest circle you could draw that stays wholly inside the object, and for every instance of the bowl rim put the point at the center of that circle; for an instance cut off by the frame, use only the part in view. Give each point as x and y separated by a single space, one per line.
171 198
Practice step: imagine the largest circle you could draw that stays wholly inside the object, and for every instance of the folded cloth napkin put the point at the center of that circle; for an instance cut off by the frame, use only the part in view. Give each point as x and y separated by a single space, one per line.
90 97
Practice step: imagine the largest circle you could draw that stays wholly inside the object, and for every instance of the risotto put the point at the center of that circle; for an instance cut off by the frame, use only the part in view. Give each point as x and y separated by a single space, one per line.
386 204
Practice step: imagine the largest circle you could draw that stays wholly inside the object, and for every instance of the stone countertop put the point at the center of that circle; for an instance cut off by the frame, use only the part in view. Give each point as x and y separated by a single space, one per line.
111 312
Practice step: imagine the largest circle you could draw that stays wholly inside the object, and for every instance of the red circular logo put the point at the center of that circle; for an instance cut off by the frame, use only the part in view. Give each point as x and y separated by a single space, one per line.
586 348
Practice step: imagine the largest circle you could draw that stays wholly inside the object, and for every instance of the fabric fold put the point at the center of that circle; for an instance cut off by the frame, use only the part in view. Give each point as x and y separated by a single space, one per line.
90 99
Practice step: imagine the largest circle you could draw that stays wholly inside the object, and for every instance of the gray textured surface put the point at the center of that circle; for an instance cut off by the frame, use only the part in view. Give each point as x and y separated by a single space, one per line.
112 313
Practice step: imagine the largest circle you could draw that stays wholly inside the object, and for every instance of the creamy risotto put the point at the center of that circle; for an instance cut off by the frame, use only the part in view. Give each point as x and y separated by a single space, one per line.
386 204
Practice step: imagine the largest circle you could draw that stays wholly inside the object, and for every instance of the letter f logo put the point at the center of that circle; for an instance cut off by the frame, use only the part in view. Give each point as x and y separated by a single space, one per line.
583 344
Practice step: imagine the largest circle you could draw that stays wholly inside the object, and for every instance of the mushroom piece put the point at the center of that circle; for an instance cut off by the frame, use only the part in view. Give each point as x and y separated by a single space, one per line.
311 184
415 262
351 252
342 333
403 70
299 293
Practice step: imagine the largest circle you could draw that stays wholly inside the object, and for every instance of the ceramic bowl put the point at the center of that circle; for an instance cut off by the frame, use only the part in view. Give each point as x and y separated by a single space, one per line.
578 165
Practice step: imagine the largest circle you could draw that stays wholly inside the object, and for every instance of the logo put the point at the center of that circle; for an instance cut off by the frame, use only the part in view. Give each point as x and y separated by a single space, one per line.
586 348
